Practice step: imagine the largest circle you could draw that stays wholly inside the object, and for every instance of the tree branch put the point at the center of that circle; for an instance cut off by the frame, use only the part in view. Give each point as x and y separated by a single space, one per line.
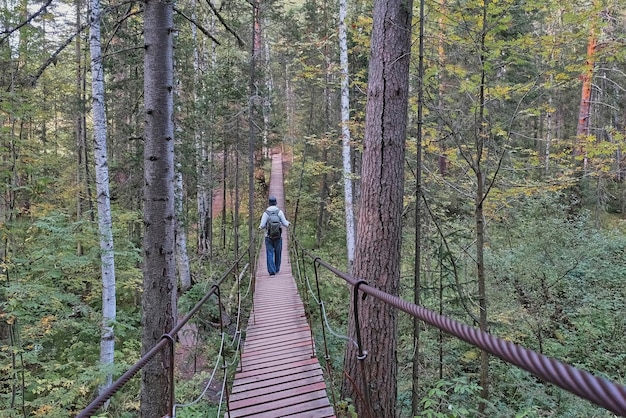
8 32
129 13
53 58
196 24
223 22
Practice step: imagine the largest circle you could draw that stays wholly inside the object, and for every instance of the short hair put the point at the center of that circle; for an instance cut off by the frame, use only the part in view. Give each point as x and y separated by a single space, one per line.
272 200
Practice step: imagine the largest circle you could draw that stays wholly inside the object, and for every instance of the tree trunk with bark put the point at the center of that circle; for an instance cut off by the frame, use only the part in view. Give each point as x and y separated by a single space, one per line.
371 382
105 223
415 392
182 258
584 111
204 154
345 134
252 110
159 276
479 216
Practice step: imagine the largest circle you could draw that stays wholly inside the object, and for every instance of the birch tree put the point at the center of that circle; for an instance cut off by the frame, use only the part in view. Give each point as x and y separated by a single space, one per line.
345 132
182 258
204 150
105 224
159 276
377 256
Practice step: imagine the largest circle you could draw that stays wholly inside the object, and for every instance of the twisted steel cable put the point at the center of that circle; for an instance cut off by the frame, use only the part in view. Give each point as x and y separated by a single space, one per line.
598 390
166 341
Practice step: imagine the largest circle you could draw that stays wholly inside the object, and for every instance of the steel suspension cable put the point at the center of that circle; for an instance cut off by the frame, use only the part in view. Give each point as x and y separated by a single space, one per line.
598 390
166 341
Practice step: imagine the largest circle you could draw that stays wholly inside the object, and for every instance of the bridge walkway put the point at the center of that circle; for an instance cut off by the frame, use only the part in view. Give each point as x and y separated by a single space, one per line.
279 374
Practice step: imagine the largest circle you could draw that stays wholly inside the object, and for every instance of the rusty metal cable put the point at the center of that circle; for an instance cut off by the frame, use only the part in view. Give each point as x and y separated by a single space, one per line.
598 390
167 340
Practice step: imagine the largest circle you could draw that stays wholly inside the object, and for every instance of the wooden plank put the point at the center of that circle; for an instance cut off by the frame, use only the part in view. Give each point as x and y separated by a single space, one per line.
315 409
262 330
277 395
279 364
285 356
297 403
326 412
274 340
303 346
307 364
286 331
242 388
277 329
252 392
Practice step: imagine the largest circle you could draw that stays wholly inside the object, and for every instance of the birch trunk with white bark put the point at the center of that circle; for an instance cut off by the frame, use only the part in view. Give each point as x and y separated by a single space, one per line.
345 133
105 224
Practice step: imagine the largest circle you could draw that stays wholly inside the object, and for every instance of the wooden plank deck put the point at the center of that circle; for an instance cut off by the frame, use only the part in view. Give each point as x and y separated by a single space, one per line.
279 375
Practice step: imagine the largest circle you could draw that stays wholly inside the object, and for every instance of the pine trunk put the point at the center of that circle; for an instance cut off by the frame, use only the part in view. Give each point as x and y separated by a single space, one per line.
584 112
371 382
585 95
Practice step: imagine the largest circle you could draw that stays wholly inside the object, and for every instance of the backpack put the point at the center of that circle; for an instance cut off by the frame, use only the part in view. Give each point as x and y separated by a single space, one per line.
273 224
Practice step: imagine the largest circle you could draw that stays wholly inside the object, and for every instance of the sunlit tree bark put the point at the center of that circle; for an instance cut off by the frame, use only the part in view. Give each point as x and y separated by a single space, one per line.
584 110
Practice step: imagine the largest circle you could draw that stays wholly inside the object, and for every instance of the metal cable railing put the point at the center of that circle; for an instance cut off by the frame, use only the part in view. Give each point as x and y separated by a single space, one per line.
166 342
598 390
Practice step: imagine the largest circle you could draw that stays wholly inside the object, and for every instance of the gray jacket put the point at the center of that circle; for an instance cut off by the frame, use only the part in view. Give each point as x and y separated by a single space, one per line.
281 216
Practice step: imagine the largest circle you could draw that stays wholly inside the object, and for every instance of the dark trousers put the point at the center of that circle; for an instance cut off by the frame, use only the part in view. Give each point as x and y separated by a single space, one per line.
273 250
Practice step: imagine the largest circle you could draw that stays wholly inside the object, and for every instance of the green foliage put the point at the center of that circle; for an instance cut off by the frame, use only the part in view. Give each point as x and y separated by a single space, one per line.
345 409
51 303
187 395
449 399
557 284
209 312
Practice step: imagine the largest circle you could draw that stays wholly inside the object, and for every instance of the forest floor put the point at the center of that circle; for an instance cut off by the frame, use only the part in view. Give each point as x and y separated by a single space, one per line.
190 357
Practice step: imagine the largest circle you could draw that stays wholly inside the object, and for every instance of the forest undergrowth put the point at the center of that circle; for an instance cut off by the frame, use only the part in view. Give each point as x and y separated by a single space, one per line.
556 286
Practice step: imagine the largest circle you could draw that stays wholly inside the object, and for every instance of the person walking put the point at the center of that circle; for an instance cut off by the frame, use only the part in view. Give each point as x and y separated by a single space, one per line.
272 221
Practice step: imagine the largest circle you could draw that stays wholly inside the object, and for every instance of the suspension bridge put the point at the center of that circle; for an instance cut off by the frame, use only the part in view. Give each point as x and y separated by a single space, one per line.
278 373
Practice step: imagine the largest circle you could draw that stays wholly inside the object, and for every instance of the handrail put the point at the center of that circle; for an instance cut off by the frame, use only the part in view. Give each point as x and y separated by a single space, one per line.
169 337
598 390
